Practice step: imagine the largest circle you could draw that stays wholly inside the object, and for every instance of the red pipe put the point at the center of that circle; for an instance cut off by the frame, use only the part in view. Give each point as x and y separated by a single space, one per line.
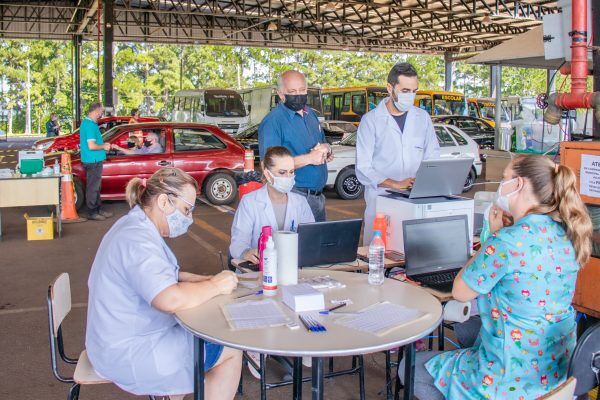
579 97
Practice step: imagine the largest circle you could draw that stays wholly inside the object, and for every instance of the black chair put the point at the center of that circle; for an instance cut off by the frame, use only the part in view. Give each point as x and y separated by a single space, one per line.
585 361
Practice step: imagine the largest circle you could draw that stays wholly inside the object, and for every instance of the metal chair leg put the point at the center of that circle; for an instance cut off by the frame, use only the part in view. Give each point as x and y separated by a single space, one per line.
263 377
74 392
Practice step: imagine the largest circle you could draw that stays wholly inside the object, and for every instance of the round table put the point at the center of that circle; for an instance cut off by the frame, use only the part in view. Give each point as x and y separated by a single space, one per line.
207 322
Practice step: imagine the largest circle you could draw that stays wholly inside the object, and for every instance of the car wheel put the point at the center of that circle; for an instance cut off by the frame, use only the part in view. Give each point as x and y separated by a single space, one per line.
79 193
347 185
220 188
470 180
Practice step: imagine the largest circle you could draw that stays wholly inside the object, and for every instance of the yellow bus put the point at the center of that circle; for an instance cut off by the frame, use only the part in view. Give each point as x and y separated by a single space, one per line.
486 108
439 102
350 104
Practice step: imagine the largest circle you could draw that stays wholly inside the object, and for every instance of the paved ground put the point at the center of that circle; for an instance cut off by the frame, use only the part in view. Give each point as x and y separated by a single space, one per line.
26 268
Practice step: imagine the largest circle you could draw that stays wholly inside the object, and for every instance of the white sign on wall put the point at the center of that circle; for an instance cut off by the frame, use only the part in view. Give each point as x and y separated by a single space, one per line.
590 175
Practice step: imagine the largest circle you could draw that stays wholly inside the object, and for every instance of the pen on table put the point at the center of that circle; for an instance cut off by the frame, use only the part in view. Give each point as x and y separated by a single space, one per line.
308 328
249 294
325 312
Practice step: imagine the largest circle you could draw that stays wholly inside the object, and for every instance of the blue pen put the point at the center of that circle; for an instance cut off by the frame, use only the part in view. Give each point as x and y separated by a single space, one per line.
250 294
292 227
326 312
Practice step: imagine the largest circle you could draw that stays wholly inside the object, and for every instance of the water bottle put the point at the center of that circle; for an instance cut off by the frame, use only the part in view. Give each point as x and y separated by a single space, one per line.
376 259
270 269
56 167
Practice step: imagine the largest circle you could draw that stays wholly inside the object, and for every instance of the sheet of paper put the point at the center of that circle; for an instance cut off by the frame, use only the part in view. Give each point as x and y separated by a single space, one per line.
254 314
590 175
380 318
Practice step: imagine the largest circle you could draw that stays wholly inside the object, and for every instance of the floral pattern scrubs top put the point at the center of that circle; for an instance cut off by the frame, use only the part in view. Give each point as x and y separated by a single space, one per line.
526 276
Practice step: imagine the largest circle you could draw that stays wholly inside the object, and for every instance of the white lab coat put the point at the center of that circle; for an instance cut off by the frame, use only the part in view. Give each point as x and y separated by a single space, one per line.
255 211
141 349
384 152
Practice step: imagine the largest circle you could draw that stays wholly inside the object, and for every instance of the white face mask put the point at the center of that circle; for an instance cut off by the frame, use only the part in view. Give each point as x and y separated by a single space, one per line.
177 222
502 200
283 184
404 101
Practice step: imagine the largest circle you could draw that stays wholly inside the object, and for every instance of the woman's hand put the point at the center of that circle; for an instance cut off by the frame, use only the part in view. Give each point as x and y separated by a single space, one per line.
225 281
251 255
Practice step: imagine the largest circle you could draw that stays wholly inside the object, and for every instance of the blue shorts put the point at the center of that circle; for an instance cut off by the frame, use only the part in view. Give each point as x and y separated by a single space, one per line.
212 353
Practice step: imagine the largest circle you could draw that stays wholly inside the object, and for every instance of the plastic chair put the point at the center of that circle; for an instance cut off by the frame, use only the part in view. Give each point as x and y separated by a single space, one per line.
564 391
585 361
59 306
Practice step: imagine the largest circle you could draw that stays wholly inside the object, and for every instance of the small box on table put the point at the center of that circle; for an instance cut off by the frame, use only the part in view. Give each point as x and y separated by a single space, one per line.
302 298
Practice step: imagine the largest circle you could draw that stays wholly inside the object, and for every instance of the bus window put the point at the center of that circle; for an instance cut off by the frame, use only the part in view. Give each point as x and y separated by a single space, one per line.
425 104
375 98
314 101
224 104
327 106
358 104
445 104
473 112
346 104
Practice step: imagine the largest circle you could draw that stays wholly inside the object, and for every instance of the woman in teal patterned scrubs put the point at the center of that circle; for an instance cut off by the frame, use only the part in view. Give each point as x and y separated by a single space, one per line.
524 277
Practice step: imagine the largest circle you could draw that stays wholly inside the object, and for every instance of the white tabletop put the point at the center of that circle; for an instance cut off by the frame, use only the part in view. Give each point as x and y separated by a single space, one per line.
207 321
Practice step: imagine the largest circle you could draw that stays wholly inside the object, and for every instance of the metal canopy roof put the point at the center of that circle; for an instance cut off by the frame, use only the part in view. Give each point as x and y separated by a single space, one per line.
409 26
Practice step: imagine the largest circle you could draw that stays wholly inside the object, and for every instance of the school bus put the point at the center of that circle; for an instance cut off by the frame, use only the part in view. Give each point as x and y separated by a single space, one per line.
439 102
350 104
486 108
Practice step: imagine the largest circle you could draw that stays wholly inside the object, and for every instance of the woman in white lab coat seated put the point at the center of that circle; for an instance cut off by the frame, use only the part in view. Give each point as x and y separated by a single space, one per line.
273 205
135 287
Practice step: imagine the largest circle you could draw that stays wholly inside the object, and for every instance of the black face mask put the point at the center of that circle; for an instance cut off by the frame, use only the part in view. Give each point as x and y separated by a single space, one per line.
147 143
295 102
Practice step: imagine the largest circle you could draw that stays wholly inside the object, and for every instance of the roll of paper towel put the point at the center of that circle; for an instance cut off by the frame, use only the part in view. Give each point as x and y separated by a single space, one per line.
457 311
286 244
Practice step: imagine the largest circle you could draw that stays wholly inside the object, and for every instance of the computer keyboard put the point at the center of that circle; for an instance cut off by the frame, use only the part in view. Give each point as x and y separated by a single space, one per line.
442 281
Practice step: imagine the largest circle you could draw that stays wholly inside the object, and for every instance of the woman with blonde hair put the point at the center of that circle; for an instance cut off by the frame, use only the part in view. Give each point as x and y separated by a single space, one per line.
135 287
524 279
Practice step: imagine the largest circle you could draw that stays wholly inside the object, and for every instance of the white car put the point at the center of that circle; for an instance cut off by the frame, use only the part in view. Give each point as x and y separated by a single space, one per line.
454 143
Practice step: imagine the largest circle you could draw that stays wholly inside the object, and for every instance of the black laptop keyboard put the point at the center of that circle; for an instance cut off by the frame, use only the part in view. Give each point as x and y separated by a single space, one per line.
440 281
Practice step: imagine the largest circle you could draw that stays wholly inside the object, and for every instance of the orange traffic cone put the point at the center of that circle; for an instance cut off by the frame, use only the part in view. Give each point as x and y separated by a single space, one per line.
248 187
68 212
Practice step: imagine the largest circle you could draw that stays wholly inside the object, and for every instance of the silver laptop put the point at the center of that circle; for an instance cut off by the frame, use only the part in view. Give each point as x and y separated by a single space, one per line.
439 177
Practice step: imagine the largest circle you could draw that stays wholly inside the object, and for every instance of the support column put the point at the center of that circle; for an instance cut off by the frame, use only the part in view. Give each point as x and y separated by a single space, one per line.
498 142
596 43
108 52
493 76
76 89
448 71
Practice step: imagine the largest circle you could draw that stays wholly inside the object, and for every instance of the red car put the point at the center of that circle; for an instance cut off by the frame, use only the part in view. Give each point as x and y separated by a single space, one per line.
71 141
207 153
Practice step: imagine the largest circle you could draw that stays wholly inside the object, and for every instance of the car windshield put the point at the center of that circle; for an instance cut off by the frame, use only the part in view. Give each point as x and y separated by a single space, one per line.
224 104
350 140
109 133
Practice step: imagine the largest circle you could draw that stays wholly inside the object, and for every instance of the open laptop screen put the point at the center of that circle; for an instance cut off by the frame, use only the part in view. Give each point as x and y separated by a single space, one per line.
435 244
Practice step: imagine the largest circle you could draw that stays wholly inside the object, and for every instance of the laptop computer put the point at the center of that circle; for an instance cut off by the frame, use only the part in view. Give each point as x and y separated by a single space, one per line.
439 177
435 249
329 242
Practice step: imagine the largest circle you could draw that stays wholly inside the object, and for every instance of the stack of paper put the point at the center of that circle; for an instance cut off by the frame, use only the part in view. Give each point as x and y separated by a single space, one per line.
302 297
380 318
254 314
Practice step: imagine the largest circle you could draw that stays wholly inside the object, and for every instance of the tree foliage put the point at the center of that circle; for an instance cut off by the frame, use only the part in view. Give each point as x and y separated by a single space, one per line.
147 75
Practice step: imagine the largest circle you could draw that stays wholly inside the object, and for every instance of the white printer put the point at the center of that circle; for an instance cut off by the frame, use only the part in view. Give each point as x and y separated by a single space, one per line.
398 208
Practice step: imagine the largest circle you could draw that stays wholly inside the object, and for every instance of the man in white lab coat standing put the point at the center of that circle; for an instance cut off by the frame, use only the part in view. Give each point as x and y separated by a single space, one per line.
392 141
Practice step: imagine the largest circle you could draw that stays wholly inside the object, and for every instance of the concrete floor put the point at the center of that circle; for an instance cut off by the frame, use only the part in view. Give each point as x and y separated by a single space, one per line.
26 268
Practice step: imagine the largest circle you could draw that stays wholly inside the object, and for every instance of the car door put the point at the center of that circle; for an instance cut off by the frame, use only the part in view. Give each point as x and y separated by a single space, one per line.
120 168
448 147
197 151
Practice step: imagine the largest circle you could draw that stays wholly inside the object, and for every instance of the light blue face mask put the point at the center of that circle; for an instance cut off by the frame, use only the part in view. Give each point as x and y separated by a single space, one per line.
177 222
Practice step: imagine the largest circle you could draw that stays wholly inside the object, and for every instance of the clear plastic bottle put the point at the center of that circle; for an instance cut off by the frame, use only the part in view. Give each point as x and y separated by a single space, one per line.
376 260
56 167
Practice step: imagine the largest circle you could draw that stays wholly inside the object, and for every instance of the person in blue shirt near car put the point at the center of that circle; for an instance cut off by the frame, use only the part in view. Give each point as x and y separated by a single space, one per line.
93 153
296 127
